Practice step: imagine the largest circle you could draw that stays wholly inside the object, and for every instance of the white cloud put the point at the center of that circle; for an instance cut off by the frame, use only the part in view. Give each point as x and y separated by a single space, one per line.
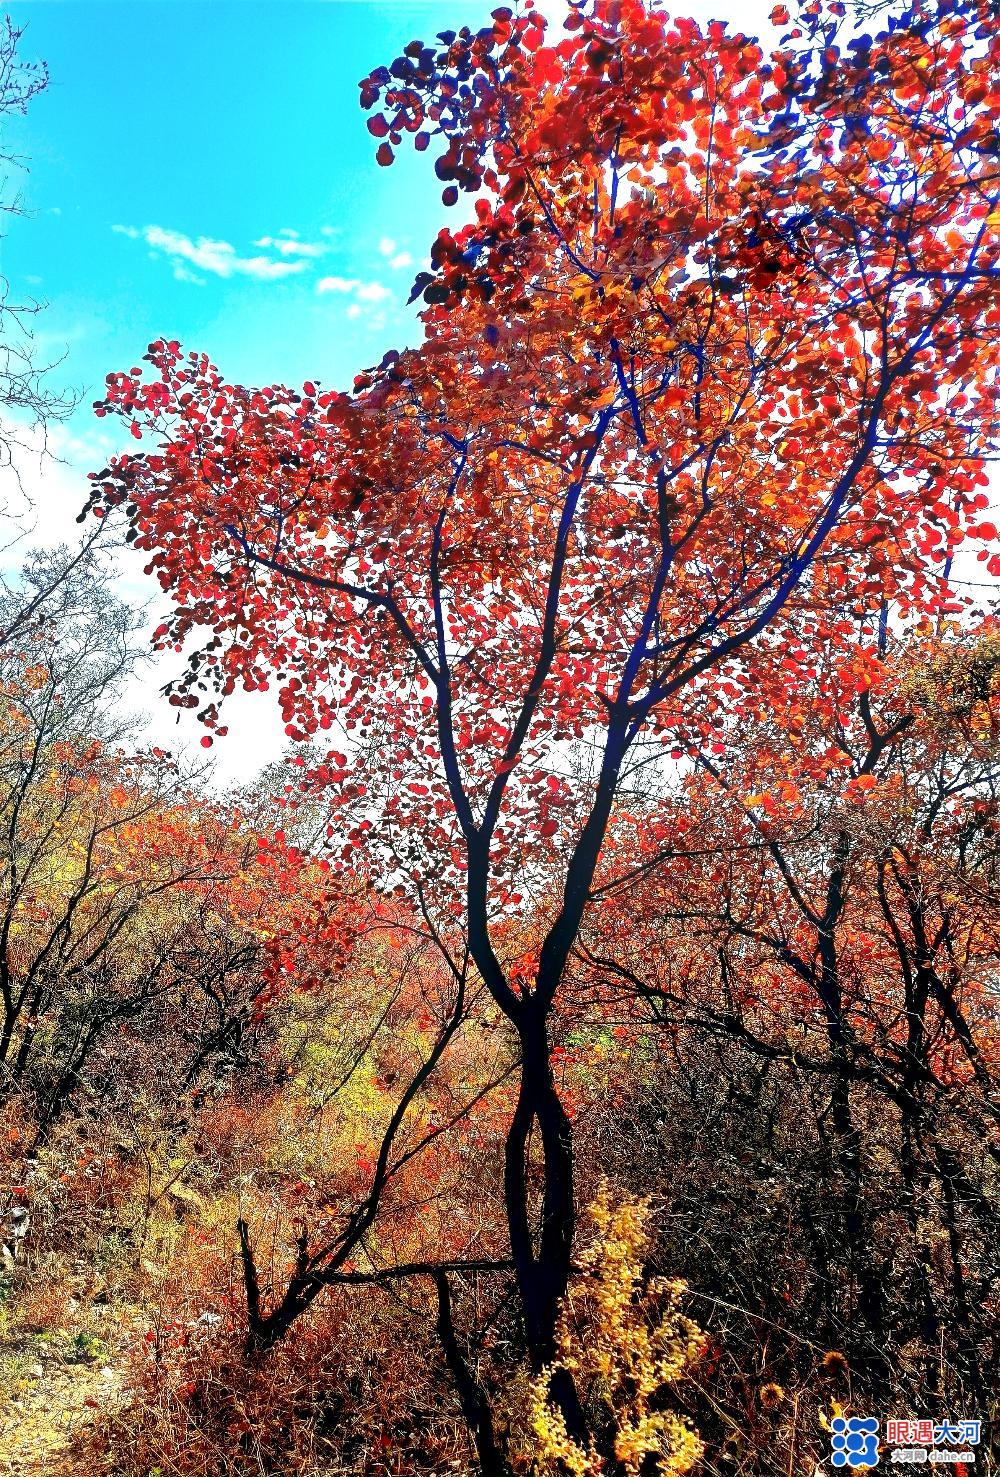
336 284
44 485
40 497
353 287
218 258
390 248
287 244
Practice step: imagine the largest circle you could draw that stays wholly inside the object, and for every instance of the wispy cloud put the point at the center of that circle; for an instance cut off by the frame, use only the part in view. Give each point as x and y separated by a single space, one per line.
353 287
397 259
287 243
217 258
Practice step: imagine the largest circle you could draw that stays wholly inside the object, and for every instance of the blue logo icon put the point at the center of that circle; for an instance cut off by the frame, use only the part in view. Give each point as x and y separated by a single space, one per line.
855 1441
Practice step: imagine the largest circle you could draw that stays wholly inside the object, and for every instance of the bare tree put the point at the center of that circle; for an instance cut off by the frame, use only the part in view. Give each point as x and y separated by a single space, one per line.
26 403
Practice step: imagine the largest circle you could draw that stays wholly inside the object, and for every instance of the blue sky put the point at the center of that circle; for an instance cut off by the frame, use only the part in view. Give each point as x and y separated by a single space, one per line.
203 171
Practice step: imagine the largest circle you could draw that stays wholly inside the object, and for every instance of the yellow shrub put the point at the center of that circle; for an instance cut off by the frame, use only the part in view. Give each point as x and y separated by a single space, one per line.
624 1342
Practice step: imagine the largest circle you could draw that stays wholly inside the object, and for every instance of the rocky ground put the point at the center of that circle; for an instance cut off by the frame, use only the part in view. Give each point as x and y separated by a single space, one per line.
52 1385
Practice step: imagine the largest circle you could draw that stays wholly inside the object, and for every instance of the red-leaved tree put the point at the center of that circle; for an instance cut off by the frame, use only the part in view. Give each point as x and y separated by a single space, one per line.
712 361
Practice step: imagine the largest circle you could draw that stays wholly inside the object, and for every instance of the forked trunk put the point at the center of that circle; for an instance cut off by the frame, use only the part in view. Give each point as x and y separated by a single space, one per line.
542 1258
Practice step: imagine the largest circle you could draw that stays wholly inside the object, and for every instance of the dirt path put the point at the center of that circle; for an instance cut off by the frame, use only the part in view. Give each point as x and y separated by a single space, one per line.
51 1388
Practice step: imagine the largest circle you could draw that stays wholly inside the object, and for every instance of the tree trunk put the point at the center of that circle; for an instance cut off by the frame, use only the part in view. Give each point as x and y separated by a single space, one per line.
475 1403
542 1261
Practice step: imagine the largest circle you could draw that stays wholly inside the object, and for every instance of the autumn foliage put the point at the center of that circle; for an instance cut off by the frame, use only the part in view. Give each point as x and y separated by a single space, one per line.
638 840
